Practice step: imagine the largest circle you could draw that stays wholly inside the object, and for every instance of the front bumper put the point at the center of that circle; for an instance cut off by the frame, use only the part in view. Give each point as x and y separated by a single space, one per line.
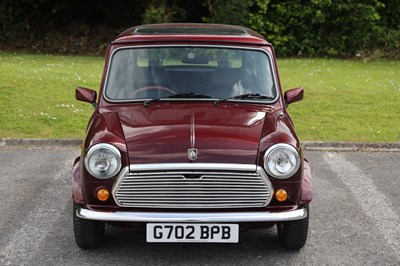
192 217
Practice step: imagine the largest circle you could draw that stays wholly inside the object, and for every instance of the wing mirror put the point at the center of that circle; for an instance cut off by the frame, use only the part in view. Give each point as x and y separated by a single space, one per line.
86 95
293 95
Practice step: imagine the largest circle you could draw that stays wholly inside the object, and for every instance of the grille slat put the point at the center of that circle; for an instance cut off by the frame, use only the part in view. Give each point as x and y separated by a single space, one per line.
191 201
192 189
196 205
215 192
189 181
178 197
155 180
187 185
166 174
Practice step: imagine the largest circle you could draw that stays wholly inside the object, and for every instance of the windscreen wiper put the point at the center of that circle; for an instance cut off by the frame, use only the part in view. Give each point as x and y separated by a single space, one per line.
178 95
246 96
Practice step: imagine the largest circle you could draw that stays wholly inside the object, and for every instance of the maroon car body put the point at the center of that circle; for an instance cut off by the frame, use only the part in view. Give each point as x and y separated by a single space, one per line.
185 153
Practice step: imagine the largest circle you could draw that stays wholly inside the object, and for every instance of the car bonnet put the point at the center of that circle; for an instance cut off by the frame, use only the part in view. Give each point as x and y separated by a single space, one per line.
204 133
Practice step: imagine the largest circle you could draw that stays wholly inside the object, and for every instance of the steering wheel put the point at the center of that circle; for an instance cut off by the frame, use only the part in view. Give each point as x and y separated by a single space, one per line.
154 87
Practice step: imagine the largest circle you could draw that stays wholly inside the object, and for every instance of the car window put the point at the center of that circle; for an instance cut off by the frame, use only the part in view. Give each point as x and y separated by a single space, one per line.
148 73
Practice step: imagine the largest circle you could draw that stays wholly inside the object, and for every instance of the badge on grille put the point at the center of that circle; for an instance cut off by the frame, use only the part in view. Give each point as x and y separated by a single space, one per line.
192 154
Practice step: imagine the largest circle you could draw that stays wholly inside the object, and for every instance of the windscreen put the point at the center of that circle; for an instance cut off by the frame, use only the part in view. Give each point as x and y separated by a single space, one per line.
154 72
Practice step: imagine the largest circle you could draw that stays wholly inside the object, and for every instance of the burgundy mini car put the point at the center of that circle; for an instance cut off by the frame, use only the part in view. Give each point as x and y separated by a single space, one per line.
190 140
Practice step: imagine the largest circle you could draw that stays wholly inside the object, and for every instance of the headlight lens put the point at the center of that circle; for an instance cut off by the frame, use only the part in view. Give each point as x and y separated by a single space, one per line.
281 160
103 161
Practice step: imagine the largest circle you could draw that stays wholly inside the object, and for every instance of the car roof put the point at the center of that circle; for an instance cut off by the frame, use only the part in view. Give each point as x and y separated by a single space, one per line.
190 32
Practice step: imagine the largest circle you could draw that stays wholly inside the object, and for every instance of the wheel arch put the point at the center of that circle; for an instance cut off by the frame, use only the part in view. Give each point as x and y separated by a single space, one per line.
77 194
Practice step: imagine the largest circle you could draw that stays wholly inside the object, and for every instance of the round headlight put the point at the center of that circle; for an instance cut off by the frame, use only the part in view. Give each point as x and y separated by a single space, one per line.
103 161
281 160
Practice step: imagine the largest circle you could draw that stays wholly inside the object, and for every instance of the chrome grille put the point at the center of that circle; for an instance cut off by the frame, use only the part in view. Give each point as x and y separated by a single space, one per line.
195 188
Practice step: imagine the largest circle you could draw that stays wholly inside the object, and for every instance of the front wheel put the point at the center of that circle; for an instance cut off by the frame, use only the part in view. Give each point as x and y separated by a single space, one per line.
293 234
88 234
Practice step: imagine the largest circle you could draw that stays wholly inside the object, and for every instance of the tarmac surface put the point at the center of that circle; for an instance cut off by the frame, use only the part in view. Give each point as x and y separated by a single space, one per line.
355 215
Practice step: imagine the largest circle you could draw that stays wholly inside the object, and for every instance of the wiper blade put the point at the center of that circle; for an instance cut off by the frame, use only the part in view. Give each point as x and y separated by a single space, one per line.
178 95
245 96
189 95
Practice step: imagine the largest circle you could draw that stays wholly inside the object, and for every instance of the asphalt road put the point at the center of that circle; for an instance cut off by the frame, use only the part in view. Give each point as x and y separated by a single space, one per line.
355 218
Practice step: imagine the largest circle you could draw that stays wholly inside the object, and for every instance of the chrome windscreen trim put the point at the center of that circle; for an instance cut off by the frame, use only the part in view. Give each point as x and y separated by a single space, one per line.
192 217
243 47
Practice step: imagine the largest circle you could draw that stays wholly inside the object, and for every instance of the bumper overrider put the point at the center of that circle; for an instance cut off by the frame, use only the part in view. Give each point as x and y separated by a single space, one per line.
193 217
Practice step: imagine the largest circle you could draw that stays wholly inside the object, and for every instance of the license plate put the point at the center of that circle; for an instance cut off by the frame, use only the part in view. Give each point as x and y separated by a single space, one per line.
214 233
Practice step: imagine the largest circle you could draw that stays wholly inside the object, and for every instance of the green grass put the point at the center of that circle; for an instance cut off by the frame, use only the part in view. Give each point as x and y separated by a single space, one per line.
344 100
38 94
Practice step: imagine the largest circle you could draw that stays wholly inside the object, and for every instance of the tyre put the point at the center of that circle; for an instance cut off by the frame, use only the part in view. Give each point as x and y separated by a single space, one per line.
293 234
88 234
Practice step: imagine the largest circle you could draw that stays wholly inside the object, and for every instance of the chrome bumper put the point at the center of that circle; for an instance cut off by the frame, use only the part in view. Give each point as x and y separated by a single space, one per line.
192 217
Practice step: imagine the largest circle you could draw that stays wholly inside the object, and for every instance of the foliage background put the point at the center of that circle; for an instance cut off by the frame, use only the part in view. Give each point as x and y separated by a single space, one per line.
306 28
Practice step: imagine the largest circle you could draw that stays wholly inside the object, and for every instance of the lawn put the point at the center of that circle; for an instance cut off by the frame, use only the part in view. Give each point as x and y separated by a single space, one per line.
38 94
344 100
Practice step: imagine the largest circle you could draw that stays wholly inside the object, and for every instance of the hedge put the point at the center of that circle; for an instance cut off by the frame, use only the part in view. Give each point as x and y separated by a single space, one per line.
306 28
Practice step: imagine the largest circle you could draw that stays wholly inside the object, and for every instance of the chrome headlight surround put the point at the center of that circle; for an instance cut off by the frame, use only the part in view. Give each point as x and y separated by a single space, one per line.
103 161
281 160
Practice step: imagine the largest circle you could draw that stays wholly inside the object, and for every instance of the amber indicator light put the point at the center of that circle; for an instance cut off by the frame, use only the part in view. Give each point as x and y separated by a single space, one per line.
103 194
281 195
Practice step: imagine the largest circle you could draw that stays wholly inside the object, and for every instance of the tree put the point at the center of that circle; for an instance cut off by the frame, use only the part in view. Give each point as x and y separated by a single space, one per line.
322 27
233 12
160 11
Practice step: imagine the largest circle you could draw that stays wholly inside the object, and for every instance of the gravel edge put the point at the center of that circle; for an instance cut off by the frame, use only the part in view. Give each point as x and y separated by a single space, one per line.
45 143
351 146
307 145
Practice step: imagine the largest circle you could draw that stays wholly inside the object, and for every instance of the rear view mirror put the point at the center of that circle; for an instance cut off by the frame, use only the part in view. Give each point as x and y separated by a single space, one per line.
86 95
192 58
293 95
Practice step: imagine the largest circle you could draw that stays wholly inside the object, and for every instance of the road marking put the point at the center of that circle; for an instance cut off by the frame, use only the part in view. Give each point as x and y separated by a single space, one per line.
25 242
373 203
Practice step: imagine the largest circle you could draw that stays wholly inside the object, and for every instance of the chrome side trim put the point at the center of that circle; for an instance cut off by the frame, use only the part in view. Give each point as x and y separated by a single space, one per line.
192 217
192 131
